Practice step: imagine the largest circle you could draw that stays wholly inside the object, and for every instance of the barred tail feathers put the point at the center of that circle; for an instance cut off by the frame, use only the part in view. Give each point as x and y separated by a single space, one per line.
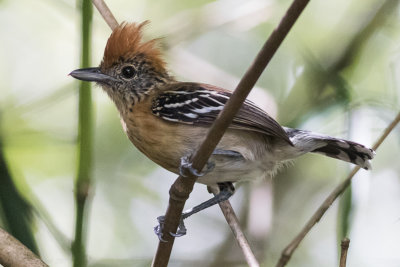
332 147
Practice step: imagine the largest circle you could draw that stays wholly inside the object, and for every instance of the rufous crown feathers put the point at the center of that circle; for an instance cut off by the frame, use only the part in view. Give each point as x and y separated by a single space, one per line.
125 42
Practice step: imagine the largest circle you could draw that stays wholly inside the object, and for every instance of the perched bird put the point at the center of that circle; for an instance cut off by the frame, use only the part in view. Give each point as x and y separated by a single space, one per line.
167 119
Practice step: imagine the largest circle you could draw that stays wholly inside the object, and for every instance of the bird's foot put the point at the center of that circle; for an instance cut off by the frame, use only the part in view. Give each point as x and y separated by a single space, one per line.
186 168
158 230
181 231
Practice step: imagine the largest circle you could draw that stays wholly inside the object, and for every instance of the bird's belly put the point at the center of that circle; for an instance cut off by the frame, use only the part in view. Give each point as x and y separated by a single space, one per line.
238 170
163 142
156 148
166 144
232 173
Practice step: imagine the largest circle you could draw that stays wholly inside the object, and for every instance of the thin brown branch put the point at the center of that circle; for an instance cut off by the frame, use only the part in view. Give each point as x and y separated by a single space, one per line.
343 254
14 253
226 246
241 239
386 132
106 13
288 251
182 187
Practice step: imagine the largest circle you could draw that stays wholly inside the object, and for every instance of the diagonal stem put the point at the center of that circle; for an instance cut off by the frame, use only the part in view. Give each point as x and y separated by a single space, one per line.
241 239
14 253
106 13
288 251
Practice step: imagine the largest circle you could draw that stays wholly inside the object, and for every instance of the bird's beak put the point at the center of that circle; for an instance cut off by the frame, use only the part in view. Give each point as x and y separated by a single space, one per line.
92 75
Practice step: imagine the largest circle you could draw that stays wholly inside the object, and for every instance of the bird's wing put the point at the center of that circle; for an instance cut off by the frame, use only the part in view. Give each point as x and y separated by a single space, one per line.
200 104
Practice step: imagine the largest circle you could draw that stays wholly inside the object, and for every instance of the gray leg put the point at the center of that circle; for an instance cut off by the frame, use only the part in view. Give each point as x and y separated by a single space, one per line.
226 191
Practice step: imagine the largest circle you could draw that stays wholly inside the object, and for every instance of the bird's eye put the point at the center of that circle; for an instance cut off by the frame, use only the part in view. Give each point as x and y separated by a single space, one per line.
128 72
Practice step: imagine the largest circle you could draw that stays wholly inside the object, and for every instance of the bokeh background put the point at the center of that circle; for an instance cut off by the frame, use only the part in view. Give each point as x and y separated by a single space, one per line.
336 73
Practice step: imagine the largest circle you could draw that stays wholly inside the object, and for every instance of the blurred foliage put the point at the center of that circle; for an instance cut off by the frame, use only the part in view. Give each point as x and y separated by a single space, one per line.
15 212
341 56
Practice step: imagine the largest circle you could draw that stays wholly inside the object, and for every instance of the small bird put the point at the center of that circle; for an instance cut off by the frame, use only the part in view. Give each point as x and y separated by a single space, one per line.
167 120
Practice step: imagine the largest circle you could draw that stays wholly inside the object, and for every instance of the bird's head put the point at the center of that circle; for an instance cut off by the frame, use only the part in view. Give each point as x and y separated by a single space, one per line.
130 67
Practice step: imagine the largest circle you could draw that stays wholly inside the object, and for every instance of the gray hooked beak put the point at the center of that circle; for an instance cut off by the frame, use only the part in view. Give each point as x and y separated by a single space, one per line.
92 75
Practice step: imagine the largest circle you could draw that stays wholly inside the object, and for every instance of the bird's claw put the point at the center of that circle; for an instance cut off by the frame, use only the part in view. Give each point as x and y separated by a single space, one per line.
186 167
158 230
181 231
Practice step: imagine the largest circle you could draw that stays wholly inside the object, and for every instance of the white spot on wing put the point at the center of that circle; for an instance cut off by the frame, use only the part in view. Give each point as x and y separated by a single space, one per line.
211 98
191 115
180 104
206 109
187 92
170 119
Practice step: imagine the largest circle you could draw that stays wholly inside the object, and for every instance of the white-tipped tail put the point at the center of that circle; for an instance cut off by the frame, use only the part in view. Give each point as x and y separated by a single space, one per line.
332 147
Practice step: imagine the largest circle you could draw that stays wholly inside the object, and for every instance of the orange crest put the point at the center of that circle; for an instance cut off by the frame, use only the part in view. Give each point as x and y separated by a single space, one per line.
126 42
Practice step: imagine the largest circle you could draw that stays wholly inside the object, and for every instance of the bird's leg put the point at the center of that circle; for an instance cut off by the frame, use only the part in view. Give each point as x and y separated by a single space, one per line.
226 191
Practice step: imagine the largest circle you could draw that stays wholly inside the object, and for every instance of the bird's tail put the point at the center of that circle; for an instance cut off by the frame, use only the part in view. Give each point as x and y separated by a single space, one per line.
332 147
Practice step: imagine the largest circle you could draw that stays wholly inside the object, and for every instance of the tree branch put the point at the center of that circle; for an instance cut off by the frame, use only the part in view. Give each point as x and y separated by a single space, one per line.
288 251
241 239
14 253
183 186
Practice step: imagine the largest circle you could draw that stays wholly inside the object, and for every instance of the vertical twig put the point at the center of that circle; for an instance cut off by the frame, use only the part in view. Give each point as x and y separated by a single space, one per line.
288 251
16 211
343 253
85 138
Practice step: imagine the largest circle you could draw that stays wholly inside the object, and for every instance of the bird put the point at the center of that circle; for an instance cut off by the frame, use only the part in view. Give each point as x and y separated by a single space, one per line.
167 119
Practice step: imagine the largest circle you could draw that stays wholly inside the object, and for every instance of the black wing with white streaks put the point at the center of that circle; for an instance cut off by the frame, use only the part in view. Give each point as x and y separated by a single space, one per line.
200 104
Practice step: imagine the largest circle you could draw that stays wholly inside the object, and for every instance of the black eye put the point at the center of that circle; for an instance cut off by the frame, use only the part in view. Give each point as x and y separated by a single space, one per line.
128 72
